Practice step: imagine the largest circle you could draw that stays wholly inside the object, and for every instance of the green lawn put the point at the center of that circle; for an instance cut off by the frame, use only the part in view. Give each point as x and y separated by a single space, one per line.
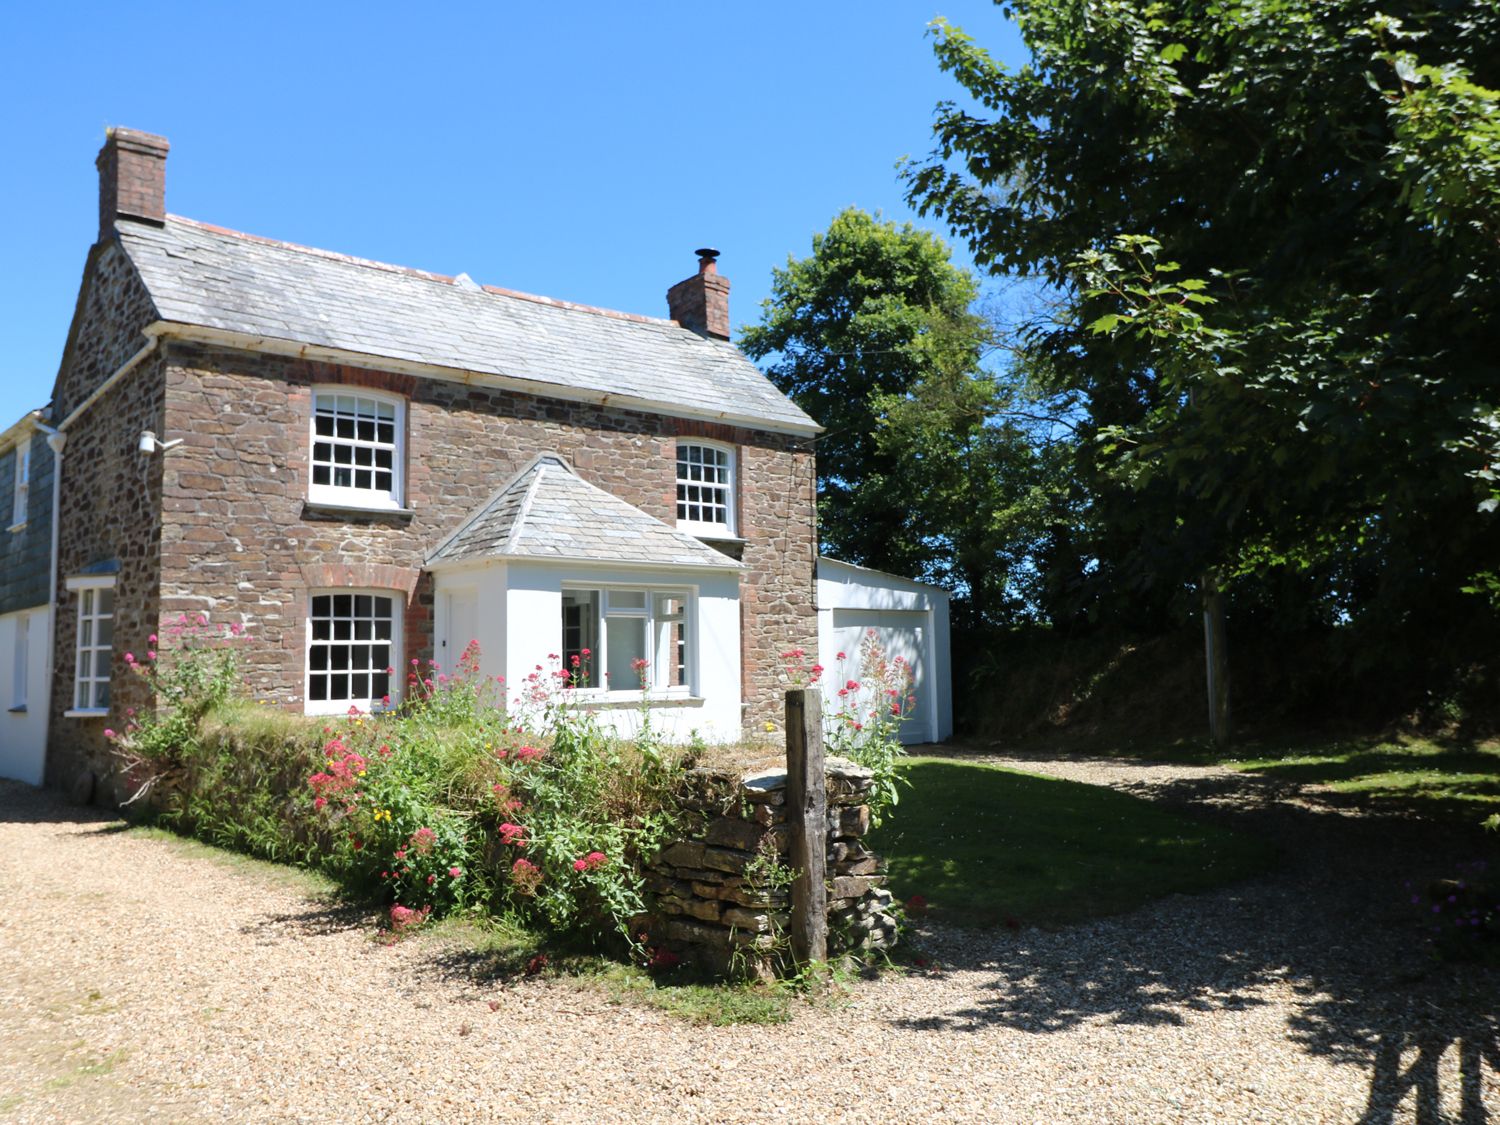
1417 771
985 846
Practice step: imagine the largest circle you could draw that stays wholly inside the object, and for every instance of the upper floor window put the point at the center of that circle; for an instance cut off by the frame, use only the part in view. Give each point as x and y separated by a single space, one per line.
23 483
705 488
357 454
94 643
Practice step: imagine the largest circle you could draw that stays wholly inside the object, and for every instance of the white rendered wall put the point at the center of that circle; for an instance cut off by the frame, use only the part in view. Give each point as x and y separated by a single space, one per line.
23 733
519 605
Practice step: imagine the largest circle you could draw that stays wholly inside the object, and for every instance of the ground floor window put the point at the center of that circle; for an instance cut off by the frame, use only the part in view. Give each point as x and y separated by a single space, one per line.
20 657
623 638
352 647
94 643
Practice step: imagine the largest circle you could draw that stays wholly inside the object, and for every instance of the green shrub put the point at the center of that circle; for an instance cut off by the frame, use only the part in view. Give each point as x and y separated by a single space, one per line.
450 803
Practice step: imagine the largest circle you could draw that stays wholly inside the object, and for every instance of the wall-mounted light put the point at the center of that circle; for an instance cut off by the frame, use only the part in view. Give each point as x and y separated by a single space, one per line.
150 443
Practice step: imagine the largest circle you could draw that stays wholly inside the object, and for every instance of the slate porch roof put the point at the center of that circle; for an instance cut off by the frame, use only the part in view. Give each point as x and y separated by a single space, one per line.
213 278
548 512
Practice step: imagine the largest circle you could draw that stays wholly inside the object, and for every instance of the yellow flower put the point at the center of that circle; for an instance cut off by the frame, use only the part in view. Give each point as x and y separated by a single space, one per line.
361 773
770 726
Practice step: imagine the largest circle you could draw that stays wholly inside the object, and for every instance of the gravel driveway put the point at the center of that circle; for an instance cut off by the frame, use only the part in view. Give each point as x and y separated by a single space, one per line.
141 982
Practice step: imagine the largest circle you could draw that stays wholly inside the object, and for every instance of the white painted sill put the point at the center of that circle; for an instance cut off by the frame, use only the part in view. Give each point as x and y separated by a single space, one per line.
632 700
17 526
706 531
91 713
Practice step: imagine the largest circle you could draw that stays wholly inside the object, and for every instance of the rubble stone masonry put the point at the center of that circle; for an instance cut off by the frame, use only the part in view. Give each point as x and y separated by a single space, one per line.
241 542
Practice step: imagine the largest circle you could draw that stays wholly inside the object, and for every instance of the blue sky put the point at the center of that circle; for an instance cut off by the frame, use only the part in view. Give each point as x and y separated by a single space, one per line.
578 150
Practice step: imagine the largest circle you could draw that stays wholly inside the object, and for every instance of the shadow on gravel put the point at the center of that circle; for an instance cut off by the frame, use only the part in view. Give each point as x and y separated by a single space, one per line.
327 918
1335 926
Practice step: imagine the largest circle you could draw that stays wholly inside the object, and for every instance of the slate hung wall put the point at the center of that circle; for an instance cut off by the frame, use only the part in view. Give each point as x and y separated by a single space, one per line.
220 524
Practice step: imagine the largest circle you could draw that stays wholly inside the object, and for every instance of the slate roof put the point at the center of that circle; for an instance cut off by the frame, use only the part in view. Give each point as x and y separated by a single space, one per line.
549 512
209 277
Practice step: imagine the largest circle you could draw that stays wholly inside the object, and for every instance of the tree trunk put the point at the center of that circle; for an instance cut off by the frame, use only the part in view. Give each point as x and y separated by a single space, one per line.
1216 661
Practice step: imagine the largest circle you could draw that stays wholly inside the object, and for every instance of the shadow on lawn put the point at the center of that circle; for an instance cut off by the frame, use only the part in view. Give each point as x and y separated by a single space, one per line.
1334 925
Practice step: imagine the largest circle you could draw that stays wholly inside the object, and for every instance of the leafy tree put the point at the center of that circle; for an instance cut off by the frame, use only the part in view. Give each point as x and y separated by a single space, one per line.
1312 386
876 337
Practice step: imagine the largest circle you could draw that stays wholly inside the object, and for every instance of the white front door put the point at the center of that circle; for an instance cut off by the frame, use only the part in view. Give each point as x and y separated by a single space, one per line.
458 624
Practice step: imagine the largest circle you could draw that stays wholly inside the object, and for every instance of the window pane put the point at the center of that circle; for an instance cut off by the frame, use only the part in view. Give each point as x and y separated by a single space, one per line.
104 604
627 599
101 664
626 643
101 694
106 631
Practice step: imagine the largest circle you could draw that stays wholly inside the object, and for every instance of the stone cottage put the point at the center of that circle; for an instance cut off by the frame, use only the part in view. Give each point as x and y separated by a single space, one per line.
365 465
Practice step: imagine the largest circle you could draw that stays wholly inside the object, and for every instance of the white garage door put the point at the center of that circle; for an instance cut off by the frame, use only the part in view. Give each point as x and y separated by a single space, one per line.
901 633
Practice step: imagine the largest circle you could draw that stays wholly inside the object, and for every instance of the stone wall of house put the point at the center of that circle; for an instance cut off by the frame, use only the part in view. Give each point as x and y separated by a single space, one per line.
109 518
25 552
240 542
720 895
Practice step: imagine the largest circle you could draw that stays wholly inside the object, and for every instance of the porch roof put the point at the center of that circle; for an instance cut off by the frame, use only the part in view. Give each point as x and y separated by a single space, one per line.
548 512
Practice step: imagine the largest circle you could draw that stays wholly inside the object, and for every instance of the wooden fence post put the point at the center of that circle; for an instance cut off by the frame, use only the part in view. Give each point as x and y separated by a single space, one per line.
807 815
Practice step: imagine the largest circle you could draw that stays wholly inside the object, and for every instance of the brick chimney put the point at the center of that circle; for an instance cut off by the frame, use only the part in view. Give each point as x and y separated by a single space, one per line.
702 301
132 178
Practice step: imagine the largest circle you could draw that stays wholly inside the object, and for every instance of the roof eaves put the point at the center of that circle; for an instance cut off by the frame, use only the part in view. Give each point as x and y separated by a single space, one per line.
274 345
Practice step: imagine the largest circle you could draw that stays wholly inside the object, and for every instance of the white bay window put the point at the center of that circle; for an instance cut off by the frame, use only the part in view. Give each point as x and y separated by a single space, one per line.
627 638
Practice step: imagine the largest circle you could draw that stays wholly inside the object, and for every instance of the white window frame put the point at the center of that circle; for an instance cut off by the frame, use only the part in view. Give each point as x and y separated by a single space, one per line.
21 656
343 496
313 706
660 685
710 529
86 693
20 500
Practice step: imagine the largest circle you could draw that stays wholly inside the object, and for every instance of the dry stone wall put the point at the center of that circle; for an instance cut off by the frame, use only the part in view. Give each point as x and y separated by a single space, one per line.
722 893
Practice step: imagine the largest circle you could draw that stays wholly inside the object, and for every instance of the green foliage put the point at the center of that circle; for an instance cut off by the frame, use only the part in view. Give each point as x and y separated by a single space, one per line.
865 727
449 804
984 846
919 470
196 670
1304 398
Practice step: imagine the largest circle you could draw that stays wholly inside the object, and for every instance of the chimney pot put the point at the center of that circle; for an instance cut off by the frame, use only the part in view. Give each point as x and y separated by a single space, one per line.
701 302
132 178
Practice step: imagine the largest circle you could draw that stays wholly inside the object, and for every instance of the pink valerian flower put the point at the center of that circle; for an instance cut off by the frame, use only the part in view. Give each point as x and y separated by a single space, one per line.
852 685
455 872
422 841
130 658
662 958
590 861
405 918
528 753
151 654
151 640
109 733
512 834
526 876
842 656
